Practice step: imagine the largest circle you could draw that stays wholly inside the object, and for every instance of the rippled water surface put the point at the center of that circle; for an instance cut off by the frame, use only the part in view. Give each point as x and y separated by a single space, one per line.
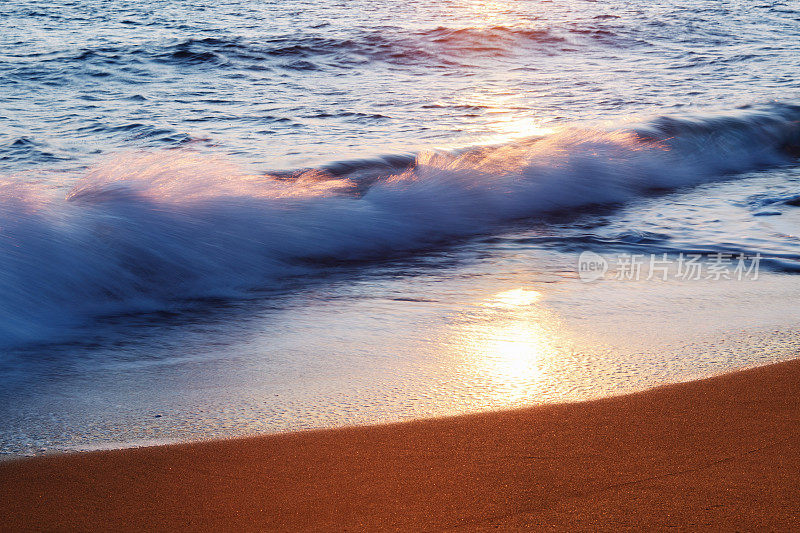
288 83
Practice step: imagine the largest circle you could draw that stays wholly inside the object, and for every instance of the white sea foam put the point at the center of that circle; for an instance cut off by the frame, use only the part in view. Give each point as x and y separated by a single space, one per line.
142 230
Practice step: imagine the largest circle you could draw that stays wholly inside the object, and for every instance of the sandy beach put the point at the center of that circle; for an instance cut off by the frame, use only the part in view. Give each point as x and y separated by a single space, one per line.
721 453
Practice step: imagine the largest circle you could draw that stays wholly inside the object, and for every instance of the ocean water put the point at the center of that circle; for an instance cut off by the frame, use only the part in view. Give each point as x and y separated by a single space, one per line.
244 216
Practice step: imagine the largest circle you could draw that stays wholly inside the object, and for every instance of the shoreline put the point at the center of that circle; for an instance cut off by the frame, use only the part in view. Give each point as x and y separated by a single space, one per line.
113 446
718 452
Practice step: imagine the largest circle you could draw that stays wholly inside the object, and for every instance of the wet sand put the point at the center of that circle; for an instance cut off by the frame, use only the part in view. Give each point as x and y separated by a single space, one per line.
722 453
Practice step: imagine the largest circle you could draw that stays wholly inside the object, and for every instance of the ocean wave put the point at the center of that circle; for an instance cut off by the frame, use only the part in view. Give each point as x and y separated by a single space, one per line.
491 39
441 45
143 230
27 149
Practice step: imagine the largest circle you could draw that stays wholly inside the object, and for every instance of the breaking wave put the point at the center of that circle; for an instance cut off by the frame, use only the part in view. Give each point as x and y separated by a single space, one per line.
143 230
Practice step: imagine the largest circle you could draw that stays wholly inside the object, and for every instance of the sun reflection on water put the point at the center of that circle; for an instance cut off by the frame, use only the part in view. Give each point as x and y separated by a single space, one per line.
514 298
509 344
490 13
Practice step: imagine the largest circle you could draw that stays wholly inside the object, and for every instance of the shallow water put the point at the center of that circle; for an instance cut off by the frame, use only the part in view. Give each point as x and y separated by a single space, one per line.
249 216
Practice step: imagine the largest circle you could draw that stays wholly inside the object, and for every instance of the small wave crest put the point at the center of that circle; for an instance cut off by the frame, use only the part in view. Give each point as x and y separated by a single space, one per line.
142 230
441 45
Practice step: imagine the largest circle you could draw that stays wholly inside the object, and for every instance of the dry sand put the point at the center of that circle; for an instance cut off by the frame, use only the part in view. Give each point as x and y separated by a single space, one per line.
722 453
